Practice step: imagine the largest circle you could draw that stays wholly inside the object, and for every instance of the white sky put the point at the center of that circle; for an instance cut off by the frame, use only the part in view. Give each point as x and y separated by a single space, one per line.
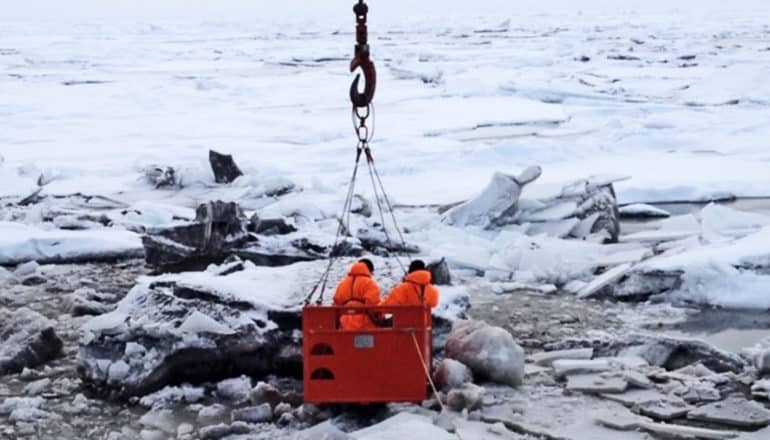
335 10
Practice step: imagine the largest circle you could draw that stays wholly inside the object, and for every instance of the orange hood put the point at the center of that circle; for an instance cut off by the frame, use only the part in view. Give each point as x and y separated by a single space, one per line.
421 277
359 270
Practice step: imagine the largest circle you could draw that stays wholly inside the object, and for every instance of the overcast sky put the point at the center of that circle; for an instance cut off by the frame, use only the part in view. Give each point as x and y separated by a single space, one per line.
335 10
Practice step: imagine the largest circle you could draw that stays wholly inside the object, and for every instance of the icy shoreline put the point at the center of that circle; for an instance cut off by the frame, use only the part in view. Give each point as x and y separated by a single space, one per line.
105 128
52 401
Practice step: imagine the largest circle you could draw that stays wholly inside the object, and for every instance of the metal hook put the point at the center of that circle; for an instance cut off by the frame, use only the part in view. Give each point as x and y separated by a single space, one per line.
362 61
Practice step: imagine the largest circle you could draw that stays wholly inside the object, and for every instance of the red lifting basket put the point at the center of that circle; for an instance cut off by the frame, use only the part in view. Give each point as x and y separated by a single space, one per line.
368 366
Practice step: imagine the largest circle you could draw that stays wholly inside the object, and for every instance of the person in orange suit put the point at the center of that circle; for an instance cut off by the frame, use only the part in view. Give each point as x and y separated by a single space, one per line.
358 289
415 290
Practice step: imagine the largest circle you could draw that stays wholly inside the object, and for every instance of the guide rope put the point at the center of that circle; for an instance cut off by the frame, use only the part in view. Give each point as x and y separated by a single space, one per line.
430 380
427 373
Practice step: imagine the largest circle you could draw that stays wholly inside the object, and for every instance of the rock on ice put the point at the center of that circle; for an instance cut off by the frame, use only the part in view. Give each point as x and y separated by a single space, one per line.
28 340
451 374
490 352
193 326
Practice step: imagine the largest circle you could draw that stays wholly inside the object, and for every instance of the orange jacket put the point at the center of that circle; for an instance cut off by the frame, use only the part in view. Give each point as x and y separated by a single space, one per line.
415 290
357 289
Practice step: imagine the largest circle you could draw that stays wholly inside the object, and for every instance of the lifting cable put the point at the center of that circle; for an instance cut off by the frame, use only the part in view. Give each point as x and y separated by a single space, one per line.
362 111
342 228
372 170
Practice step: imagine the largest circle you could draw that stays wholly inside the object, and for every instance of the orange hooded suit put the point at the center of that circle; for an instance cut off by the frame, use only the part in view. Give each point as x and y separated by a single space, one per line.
415 290
357 289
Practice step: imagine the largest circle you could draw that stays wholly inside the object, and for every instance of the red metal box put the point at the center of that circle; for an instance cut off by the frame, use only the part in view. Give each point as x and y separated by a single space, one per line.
369 366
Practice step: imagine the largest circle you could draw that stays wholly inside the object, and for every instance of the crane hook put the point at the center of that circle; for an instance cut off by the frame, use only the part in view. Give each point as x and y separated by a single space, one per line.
362 59
366 65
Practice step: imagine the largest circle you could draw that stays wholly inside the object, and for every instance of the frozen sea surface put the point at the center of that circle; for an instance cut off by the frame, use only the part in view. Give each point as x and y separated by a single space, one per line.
673 95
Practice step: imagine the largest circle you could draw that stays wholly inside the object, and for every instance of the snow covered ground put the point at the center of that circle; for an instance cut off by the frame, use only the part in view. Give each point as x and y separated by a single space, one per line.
678 101
672 94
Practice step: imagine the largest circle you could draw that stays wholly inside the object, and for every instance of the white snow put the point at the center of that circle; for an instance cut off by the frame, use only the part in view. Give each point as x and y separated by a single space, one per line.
118 371
263 287
152 214
451 299
37 387
20 243
132 348
326 430
721 87
162 419
488 87
608 277
7 277
724 219
26 269
499 195
718 249
236 389
212 414
565 367
479 112
93 93
173 395
268 287
12 183
197 322
557 212
542 258
761 389
403 426
717 272
725 287
162 70
552 414
624 256
547 359
108 322
643 210
23 409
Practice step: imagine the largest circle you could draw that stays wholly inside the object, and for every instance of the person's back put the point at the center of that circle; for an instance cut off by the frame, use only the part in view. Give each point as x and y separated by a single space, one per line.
357 289
415 290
